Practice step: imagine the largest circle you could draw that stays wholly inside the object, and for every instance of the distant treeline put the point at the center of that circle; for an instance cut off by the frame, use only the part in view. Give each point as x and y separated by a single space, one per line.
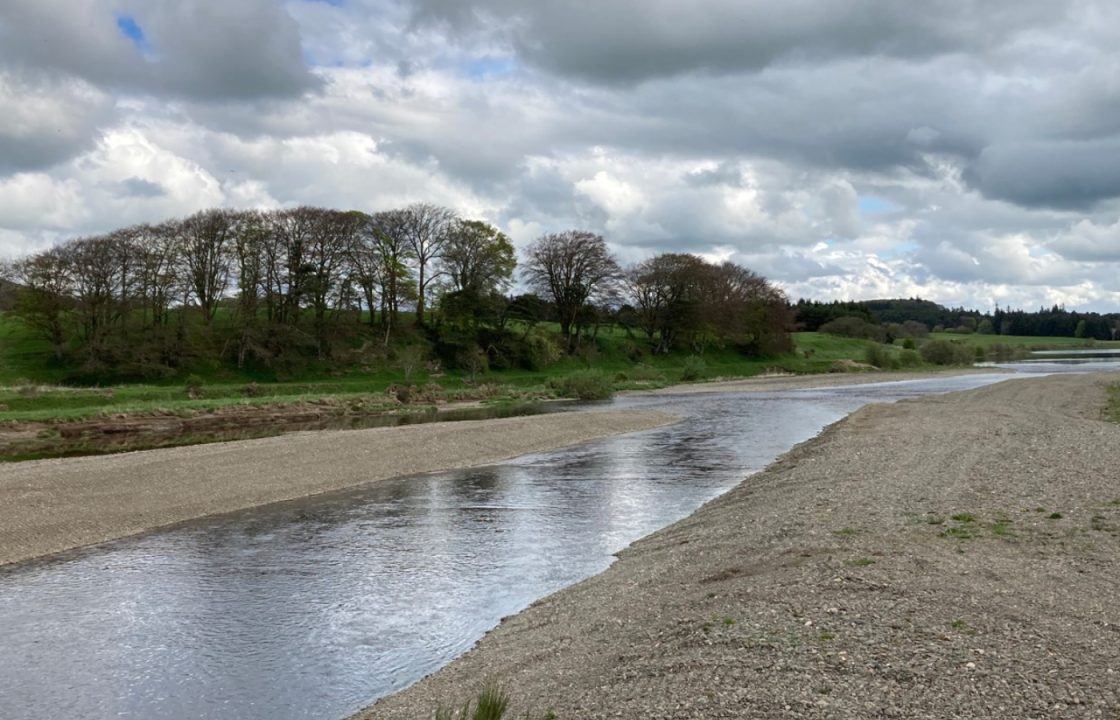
280 288
1045 322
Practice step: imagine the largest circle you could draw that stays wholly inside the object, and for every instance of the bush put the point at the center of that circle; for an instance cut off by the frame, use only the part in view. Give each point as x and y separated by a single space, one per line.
909 358
584 385
194 386
881 357
943 352
854 327
694 368
909 344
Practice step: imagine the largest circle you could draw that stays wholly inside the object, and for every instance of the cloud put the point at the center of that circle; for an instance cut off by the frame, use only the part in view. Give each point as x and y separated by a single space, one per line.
956 149
627 41
203 49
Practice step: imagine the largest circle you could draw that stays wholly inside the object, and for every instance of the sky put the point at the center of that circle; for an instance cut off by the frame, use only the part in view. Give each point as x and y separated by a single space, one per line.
964 151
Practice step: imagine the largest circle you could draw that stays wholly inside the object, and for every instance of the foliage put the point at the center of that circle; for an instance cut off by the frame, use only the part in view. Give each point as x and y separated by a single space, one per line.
881 357
854 327
944 352
584 385
694 369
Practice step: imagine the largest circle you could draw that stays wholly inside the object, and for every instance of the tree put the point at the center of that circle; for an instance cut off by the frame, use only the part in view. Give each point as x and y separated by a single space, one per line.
426 229
571 269
205 242
386 233
665 291
478 258
43 298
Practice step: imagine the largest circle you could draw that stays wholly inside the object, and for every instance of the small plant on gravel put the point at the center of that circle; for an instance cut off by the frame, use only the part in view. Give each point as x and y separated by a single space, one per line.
1002 528
491 704
860 562
964 518
728 621
1055 516
935 520
847 532
962 627
959 532
826 637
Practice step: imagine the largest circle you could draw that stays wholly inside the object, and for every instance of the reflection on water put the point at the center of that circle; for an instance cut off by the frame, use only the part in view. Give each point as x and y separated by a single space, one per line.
313 609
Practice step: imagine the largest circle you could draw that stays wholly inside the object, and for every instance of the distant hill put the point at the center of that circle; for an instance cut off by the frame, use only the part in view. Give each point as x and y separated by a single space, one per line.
1050 322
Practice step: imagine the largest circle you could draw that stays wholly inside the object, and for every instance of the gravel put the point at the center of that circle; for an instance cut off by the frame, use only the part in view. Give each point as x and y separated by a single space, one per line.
909 562
47 506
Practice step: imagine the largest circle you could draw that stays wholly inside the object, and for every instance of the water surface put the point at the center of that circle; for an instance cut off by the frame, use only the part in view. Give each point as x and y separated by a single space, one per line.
313 609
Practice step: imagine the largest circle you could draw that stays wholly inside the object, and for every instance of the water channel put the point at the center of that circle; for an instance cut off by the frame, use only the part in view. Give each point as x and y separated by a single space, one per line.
313 609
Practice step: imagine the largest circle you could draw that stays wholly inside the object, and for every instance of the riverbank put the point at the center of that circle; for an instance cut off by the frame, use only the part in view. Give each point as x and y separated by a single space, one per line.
953 556
47 506
779 383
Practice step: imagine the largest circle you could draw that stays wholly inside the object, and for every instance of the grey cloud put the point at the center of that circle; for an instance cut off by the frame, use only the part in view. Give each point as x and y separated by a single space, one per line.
203 49
1061 174
635 40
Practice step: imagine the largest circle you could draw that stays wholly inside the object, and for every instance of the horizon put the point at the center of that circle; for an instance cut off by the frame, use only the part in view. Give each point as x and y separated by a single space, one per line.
848 151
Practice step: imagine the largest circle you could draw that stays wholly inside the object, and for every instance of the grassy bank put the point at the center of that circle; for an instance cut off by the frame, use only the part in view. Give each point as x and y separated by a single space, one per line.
31 389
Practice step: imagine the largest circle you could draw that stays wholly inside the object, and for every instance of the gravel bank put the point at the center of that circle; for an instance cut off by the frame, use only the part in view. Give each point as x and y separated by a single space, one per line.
954 556
51 505
777 383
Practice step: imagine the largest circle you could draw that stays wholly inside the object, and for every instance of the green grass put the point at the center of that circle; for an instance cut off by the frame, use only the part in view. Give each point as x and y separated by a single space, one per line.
1024 341
31 389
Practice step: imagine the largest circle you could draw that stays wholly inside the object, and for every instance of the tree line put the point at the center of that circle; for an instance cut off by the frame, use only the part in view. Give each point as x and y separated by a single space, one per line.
1055 321
278 288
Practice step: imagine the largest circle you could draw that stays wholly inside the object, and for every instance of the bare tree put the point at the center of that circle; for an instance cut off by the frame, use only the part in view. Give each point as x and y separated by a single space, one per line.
205 244
387 234
44 294
426 229
571 269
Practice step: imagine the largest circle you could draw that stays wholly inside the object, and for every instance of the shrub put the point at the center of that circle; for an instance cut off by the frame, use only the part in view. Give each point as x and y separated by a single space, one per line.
251 390
194 386
879 356
909 344
909 358
584 385
694 368
943 352
854 327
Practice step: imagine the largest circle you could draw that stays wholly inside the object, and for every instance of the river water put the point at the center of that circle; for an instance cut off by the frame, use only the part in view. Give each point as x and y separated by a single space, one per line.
315 608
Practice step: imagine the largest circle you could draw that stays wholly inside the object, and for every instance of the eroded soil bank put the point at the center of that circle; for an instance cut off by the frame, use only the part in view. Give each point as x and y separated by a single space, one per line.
953 556
47 506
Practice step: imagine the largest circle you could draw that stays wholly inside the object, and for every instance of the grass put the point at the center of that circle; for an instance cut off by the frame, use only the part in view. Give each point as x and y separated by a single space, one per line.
32 385
32 389
1112 408
1025 341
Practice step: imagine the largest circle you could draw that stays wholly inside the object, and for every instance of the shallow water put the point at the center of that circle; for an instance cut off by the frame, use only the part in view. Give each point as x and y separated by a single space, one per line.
314 609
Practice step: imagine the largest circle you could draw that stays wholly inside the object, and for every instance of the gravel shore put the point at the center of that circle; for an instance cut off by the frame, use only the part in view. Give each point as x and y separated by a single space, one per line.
780 383
47 506
956 556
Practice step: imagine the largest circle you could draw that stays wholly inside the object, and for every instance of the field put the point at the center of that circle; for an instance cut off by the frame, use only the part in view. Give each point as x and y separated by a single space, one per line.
1026 342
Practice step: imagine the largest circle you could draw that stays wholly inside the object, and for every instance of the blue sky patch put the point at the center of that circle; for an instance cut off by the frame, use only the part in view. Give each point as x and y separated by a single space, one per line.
875 205
490 66
132 30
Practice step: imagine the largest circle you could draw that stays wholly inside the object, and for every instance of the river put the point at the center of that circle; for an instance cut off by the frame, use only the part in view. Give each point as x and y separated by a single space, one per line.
315 608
